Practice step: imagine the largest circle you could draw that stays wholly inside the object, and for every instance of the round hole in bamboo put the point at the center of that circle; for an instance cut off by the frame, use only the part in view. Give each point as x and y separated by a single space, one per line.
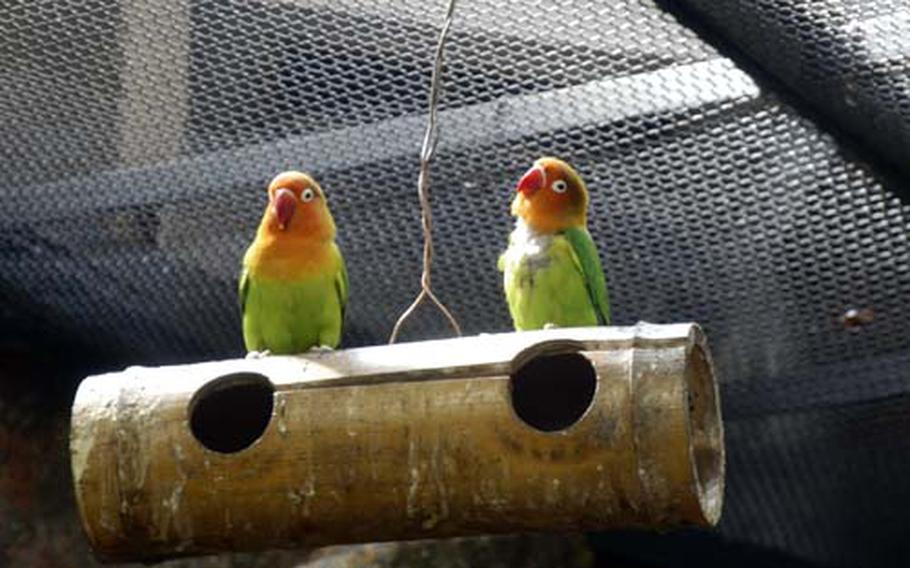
553 392
706 432
231 412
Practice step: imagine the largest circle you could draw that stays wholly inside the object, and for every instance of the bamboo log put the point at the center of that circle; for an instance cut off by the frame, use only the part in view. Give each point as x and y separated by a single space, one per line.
554 430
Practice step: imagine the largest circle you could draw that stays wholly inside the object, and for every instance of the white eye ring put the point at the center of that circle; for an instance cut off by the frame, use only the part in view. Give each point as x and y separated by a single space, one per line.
307 195
559 186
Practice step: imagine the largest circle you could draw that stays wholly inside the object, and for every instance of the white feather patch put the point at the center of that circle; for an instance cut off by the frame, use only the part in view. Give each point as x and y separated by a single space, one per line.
528 246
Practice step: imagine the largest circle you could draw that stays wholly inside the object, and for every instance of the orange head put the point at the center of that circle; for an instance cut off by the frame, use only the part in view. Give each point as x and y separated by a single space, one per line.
551 197
297 208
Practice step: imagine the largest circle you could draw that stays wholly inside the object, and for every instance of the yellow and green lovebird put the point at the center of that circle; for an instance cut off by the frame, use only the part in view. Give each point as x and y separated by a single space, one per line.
294 284
552 271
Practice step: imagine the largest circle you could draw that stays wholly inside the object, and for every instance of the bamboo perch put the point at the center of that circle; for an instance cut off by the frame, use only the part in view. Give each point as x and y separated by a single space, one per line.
554 430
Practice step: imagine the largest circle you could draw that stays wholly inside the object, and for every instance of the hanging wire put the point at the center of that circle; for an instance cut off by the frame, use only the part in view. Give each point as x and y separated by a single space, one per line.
428 150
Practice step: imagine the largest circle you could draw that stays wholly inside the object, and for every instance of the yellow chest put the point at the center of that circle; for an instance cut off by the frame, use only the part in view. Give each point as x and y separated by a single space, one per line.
289 259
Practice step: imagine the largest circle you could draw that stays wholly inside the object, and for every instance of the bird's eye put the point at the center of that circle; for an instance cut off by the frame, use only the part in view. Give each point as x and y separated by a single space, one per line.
307 195
559 186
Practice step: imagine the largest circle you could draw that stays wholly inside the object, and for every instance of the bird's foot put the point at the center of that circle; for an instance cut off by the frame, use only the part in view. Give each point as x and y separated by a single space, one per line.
549 325
258 354
321 349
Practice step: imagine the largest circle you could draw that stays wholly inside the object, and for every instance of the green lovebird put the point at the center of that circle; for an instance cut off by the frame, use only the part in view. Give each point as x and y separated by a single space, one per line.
294 284
551 271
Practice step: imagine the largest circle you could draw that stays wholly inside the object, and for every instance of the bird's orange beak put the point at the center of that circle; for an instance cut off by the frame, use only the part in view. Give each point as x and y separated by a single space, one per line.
284 204
531 182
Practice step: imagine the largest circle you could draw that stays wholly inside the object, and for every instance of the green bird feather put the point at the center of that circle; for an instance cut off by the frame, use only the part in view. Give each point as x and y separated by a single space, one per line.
293 287
552 269
285 317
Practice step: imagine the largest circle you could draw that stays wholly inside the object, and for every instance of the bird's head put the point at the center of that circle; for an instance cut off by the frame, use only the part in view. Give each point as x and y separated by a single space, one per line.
297 207
551 197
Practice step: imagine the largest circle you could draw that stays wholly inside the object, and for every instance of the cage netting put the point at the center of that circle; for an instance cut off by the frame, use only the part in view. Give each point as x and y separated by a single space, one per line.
747 161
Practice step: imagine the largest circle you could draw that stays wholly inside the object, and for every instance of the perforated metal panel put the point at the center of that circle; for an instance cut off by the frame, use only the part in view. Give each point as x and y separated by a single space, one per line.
137 138
849 58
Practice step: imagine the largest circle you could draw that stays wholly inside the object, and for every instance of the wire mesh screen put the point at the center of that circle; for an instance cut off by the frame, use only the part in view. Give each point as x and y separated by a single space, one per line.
137 139
848 57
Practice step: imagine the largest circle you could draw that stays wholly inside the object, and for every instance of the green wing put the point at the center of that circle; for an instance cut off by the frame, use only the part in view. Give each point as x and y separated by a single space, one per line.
586 252
341 285
243 288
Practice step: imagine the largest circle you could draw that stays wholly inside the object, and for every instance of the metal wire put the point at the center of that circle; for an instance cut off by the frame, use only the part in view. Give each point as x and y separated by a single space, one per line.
428 150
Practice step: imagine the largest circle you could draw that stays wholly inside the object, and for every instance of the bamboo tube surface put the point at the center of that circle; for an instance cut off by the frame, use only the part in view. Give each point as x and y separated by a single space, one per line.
556 430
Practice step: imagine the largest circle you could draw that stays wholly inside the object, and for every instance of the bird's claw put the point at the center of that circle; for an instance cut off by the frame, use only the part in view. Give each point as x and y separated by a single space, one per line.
321 349
257 354
549 325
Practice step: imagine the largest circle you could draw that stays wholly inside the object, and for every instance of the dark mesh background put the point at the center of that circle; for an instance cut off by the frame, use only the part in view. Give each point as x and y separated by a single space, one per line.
743 180
849 58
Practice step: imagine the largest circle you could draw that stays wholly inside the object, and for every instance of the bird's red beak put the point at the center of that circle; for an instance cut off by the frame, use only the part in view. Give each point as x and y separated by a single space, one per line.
532 181
285 203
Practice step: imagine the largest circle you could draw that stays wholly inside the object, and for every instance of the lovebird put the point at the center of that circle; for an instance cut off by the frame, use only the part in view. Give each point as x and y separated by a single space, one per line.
294 283
552 274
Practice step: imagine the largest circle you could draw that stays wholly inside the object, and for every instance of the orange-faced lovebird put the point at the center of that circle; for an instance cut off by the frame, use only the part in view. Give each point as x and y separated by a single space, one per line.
294 284
552 271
